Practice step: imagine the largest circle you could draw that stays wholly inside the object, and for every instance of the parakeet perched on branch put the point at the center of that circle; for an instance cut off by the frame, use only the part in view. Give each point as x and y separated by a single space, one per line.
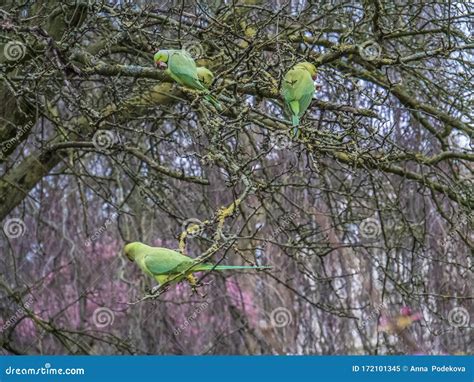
297 91
166 265
181 67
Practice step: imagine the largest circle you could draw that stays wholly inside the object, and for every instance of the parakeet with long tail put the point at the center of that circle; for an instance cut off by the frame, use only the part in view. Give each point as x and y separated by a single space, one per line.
166 265
297 90
181 67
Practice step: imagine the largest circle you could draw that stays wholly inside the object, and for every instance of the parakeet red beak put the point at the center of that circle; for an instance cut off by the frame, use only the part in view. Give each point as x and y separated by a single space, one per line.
314 77
161 65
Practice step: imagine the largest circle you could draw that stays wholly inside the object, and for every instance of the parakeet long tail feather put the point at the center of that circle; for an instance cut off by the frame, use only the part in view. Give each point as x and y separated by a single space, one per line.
295 120
214 102
209 267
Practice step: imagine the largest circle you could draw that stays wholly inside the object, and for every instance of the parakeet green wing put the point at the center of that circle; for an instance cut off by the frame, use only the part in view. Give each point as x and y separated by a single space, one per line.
166 262
183 69
298 86
305 101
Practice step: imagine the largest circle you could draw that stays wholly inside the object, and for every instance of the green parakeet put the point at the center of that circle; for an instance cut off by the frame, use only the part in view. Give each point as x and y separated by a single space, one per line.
181 67
297 91
205 76
166 265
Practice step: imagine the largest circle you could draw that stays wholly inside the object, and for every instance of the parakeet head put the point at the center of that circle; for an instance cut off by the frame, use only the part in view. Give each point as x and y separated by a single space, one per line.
161 59
131 250
309 67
